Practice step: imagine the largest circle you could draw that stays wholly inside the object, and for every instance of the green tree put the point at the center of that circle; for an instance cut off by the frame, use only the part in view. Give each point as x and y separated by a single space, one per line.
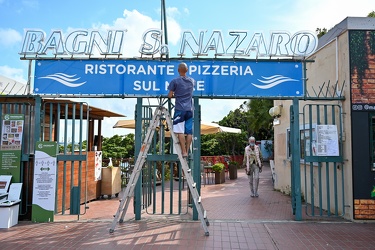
371 14
259 121
251 117
320 32
237 118
209 145
231 144
118 146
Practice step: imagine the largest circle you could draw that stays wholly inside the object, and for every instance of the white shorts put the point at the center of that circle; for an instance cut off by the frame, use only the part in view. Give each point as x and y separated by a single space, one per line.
179 128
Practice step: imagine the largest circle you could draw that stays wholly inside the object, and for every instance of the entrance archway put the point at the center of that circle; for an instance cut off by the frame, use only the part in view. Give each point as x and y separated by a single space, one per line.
243 80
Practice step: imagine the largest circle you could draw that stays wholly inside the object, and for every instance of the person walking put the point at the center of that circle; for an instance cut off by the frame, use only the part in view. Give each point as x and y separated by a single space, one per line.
253 162
182 89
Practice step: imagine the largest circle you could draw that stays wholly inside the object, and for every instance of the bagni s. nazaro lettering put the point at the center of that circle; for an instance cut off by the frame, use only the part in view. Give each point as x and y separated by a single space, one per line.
88 43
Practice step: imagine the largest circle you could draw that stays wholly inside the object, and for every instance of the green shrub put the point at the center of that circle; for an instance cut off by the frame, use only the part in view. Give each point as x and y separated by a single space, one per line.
218 167
233 163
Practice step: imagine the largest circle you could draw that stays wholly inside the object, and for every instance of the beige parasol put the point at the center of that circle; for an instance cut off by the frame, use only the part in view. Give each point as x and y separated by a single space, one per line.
206 127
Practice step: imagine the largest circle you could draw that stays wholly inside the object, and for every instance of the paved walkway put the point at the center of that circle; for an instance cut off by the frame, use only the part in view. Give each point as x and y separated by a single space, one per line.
237 221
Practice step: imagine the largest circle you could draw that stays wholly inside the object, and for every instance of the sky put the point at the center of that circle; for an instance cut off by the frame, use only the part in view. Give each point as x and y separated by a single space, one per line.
136 17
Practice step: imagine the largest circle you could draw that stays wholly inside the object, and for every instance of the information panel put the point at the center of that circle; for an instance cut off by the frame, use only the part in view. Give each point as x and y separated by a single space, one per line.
44 187
327 140
138 78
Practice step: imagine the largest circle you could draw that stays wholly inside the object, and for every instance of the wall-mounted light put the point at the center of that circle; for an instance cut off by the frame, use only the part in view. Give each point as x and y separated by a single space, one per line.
275 112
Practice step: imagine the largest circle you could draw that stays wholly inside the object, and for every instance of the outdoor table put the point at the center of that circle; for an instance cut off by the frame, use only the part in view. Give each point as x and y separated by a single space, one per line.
209 174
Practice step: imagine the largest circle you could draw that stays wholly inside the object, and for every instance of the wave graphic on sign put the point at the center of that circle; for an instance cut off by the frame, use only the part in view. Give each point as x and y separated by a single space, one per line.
67 80
272 81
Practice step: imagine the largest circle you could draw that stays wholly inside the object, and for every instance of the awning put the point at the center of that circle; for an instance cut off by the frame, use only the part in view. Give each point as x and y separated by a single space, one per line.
95 113
11 87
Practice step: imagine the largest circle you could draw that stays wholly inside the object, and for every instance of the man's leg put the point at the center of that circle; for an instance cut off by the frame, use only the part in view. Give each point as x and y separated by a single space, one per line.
178 128
256 180
188 129
181 138
251 182
189 139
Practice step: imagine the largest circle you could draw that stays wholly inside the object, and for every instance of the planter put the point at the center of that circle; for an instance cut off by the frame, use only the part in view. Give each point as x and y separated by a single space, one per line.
111 181
220 177
232 172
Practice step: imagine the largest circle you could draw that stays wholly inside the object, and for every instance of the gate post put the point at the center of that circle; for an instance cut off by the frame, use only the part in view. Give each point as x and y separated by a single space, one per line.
296 157
37 132
197 151
138 142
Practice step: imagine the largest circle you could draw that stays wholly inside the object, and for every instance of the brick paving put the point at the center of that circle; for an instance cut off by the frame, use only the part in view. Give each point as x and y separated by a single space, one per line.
237 221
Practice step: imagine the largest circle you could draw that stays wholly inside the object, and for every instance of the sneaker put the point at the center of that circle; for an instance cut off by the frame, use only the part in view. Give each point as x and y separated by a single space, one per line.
256 195
252 195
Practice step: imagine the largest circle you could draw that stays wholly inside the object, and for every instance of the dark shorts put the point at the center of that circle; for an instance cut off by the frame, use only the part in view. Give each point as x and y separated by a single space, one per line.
183 122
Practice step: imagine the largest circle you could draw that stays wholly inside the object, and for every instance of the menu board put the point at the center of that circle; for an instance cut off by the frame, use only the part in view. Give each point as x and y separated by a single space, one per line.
11 145
12 130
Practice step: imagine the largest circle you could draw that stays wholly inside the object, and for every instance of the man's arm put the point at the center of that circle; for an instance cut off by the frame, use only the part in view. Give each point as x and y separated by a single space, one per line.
260 158
170 94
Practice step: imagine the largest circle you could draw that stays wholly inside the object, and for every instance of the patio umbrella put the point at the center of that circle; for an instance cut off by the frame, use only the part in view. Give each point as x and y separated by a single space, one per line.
213 128
125 124
206 127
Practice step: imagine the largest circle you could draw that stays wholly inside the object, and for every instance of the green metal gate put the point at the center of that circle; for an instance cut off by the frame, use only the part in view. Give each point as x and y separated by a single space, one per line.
163 185
317 160
67 123
321 149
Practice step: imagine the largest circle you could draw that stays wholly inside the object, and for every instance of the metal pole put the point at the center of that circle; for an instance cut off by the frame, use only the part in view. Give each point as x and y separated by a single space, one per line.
164 24
196 150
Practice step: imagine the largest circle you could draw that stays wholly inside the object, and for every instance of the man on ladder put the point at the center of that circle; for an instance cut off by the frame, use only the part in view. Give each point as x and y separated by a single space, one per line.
182 89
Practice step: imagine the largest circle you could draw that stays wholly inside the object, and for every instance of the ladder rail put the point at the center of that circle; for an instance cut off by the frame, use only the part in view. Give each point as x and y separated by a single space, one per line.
129 190
189 177
144 150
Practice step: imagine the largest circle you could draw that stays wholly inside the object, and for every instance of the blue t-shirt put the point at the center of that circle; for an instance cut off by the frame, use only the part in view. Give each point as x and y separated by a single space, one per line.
183 92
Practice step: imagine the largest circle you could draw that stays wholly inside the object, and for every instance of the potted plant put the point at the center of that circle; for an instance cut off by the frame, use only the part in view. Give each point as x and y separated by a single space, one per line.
232 166
218 169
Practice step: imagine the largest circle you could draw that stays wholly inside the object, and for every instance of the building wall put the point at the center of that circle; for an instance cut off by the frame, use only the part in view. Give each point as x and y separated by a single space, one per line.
281 158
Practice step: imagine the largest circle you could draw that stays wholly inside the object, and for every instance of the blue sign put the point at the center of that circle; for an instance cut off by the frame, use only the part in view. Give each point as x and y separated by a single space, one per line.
139 78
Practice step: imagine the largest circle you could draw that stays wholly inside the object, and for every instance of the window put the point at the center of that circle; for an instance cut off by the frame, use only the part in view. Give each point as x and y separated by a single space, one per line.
307 137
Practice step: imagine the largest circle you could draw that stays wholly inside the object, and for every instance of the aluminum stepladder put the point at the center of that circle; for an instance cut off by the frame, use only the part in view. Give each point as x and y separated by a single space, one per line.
141 159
